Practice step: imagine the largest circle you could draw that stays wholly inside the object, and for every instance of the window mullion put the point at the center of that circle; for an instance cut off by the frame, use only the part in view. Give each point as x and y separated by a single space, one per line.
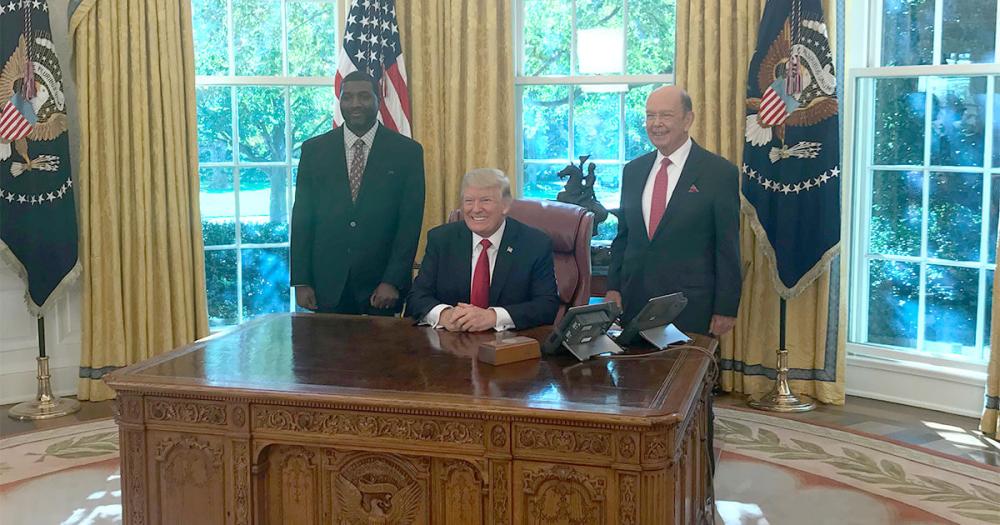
936 58
925 213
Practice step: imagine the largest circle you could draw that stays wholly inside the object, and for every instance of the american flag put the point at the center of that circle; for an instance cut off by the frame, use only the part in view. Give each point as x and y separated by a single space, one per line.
371 44
17 118
776 105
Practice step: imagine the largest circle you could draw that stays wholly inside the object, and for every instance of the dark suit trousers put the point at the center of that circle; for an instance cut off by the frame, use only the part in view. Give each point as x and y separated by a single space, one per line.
351 303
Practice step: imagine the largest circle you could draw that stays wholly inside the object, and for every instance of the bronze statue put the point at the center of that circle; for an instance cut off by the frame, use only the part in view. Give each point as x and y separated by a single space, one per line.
579 190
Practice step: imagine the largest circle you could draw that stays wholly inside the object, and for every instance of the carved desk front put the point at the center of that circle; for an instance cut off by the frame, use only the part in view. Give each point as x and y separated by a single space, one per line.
306 418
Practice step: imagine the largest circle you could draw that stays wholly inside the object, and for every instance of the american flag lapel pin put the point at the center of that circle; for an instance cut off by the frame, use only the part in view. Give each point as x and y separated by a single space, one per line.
510 250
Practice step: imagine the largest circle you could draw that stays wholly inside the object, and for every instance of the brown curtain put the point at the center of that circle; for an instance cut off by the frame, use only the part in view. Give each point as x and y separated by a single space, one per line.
990 423
459 60
141 245
715 41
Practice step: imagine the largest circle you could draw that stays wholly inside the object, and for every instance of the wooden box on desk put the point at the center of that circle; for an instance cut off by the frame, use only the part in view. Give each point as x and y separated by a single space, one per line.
509 350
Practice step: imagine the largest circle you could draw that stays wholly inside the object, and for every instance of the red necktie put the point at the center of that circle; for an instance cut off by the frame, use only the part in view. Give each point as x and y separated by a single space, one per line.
481 277
659 202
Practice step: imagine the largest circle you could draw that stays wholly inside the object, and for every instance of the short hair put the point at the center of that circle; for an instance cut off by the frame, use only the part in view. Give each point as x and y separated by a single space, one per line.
360 76
487 178
686 102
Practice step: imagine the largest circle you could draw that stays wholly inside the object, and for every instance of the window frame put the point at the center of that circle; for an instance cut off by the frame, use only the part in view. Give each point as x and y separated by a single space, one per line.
861 81
287 82
521 80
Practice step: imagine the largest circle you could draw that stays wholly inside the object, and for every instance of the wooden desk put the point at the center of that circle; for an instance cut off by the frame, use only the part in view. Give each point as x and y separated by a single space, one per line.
329 419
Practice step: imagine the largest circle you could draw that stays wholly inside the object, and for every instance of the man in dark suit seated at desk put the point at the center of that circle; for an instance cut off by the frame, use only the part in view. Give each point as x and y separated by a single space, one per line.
489 271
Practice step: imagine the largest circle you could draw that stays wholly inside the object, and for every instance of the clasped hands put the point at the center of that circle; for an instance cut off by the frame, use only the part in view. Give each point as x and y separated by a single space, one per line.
467 318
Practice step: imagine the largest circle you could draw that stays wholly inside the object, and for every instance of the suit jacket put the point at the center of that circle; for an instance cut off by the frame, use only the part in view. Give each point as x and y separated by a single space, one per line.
369 241
696 248
523 279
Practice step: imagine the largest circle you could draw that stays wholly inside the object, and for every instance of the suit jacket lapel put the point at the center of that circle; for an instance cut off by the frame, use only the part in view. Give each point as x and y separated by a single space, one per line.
640 173
338 159
689 175
462 254
505 258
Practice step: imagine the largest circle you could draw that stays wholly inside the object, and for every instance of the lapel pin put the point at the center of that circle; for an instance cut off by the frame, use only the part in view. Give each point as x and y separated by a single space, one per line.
510 250
693 189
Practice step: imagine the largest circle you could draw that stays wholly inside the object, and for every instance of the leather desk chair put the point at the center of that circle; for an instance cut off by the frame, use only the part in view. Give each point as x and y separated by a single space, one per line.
570 227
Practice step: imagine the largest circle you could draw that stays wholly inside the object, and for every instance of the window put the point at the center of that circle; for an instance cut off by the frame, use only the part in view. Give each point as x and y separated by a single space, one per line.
927 180
265 71
584 69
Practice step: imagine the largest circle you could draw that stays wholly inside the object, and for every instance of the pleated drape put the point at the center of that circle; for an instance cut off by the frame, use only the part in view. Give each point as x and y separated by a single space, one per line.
459 59
141 244
715 41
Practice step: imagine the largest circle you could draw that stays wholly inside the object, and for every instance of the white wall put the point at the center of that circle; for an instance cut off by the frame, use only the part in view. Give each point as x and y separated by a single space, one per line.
18 334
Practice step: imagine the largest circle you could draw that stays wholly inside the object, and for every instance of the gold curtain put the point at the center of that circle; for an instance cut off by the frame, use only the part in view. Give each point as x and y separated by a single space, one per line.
990 423
715 41
141 245
459 62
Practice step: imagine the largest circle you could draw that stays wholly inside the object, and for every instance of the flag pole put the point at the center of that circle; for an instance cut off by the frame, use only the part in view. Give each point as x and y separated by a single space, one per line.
45 405
781 398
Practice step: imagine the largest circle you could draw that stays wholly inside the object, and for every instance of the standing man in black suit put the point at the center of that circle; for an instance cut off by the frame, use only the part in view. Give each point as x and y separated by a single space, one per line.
359 203
678 230
489 271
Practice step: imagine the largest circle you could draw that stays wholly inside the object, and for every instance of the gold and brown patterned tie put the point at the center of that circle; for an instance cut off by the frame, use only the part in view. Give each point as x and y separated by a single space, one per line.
357 167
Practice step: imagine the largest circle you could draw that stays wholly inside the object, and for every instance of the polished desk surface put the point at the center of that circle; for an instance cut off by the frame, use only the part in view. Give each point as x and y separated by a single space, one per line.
390 362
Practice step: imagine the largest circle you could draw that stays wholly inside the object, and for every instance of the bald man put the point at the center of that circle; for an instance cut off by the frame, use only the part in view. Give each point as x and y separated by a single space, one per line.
678 228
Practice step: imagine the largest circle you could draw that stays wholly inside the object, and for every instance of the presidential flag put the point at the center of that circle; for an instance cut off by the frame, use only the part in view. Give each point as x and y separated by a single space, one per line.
791 158
38 232
372 45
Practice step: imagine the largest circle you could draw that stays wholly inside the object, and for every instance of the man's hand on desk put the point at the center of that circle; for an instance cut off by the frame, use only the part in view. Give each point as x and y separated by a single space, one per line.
468 318
721 325
384 296
613 296
305 297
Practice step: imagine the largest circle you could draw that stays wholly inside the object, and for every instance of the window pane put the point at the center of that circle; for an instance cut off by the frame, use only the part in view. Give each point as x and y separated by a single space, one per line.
955 216
951 307
546 37
907 32
265 281
607 188
257 37
262 123
607 230
220 278
650 37
596 124
312 114
211 37
968 31
312 39
958 120
264 205
893 302
218 206
600 37
994 216
545 122
215 123
541 181
636 141
899 122
897 198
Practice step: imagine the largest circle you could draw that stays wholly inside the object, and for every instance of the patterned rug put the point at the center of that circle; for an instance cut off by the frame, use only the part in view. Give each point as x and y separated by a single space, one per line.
773 471
816 474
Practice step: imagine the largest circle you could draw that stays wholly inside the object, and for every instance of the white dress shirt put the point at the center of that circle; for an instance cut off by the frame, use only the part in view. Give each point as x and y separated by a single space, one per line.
350 138
677 160
504 322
